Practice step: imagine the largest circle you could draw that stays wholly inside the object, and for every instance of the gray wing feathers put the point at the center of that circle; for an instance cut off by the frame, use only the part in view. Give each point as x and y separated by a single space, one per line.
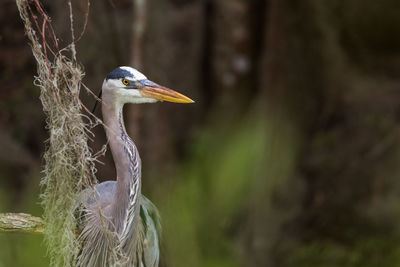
98 241
101 194
152 227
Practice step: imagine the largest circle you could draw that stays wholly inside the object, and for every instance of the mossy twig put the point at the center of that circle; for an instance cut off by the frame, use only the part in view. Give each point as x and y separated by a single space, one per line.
21 223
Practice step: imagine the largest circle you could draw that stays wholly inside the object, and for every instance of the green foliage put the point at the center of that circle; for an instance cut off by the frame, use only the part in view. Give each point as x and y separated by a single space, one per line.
22 250
226 177
369 251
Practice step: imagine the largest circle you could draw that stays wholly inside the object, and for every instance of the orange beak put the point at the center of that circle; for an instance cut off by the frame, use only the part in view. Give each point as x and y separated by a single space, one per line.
162 93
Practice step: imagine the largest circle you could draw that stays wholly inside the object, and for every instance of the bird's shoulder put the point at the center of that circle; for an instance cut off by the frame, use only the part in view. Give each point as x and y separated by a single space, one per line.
101 195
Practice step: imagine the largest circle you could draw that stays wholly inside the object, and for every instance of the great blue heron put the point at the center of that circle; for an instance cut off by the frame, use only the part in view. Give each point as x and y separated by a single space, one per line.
119 223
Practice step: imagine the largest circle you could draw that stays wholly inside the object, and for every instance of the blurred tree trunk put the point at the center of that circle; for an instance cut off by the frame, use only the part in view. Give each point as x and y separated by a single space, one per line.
233 44
300 85
172 56
196 47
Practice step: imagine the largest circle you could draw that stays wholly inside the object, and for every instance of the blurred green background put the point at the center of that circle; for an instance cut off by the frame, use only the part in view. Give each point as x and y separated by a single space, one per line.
290 156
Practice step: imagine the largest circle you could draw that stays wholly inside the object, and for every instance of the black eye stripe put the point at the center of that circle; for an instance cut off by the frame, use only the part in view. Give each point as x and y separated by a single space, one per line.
119 73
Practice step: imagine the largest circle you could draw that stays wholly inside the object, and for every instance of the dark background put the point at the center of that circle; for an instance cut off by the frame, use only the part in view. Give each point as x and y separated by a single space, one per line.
290 155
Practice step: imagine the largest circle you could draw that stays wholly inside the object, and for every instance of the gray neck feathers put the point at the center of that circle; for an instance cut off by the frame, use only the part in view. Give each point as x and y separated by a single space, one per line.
125 206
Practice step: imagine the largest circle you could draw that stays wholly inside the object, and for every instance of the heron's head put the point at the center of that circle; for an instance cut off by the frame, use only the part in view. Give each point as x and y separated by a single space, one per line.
128 85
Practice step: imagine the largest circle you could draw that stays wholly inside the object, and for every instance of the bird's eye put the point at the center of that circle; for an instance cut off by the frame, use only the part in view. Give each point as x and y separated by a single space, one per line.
125 81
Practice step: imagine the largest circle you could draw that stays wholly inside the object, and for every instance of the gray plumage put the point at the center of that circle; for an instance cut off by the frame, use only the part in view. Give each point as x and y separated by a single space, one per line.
101 246
119 226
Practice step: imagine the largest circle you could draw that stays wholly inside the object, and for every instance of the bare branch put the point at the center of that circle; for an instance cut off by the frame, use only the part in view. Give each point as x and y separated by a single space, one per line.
21 223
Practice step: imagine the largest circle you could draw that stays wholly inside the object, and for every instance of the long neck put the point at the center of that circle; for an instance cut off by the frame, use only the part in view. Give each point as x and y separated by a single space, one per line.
125 206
